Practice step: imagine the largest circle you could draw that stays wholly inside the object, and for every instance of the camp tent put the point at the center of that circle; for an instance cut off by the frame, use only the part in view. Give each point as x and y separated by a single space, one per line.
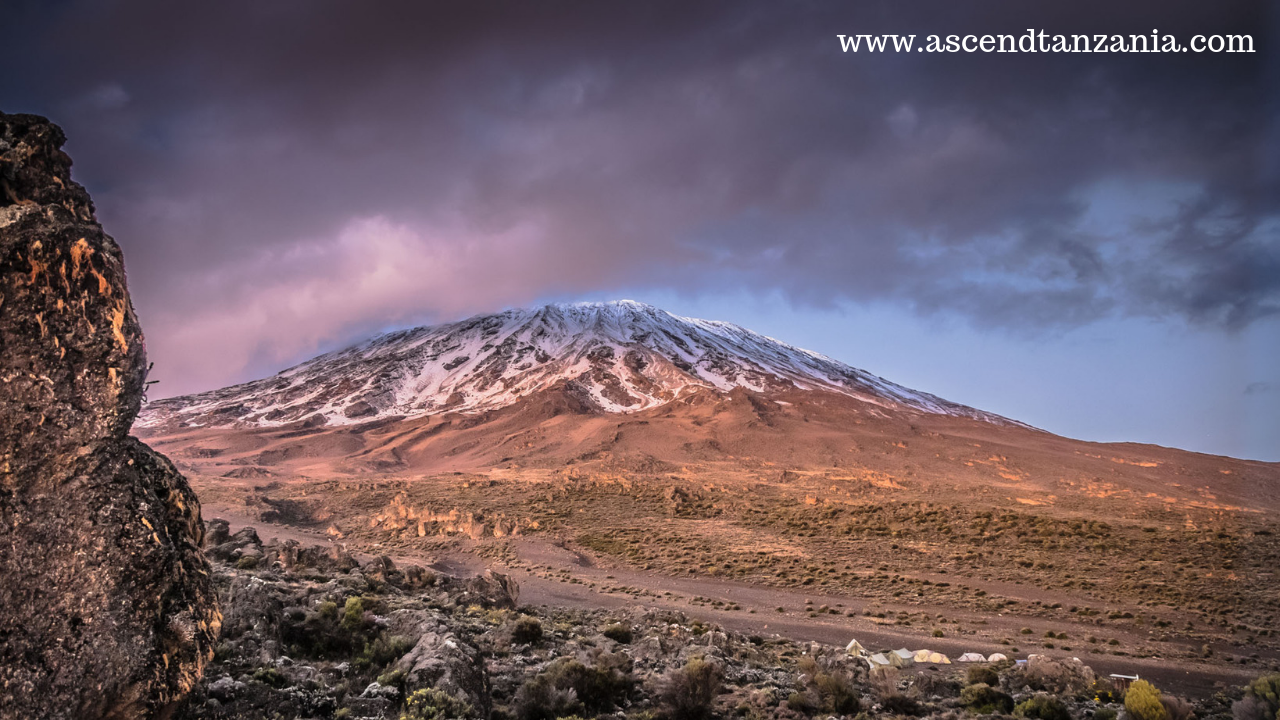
972 657
929 656
879 660
902 658
855 648
996 657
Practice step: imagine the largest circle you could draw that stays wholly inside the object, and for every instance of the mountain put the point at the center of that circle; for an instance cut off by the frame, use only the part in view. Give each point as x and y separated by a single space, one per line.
598 446
622 388
616 357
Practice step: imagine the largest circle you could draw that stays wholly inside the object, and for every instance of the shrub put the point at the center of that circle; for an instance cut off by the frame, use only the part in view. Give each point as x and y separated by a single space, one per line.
619 633
805 703
1142 702
884 681
568 687
330 633
247 562
433 704
1250 707
1267 689
807 666
936 684
1104 692
1105 713
983 674
383 651
1042 707
1261 700
269 676
899 704
353 615
1175 708
985 700
527 631
540 699
836 693
597 687
396 678
689 693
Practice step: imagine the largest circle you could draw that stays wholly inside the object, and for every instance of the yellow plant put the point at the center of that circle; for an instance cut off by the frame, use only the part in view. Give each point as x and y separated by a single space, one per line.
1142 702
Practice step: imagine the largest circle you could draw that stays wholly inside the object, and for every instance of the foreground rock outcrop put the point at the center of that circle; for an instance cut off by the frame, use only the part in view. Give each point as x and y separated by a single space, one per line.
107 609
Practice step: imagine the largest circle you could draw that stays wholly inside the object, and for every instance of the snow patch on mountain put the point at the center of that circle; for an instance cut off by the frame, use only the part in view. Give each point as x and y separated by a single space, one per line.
619 357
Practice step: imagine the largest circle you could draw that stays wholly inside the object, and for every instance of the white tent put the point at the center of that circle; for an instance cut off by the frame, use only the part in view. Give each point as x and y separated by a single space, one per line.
902 658
855 648
878 660
971 657
996 657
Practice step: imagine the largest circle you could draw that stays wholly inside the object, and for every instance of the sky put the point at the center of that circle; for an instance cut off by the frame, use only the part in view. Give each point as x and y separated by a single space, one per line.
1089 243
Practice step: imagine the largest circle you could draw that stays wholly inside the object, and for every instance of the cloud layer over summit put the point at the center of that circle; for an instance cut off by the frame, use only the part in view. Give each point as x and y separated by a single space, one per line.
287 176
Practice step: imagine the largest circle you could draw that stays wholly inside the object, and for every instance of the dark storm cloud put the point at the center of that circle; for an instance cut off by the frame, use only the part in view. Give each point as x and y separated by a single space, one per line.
286 176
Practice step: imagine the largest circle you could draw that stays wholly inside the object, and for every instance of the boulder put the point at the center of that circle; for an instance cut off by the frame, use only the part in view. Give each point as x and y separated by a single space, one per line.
440 659
106 604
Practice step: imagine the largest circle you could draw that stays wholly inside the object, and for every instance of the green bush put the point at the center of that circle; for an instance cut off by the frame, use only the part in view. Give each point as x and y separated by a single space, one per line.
619 633
985 700
983 674
598 687
1261 700
433 704
1105 713
332 634
353 615
395 678
690 692
1267 689
383 651
1142 702
1042 707
568 687
248 562
527 631
270 676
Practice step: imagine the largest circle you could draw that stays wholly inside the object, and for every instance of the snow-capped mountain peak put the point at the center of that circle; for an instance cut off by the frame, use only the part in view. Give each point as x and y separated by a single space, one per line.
619 357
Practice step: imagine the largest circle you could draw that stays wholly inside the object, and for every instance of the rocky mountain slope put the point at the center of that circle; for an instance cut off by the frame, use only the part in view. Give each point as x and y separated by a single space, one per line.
106 605
614 357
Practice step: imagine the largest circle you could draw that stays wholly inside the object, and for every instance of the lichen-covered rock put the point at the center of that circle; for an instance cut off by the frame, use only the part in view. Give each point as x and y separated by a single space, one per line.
106 605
